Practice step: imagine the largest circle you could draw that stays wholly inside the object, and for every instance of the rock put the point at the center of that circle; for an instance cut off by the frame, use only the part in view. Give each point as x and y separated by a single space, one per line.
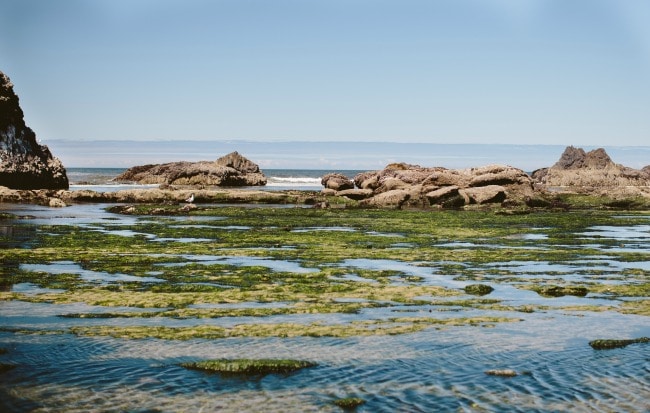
448 188
478 289
606 344
188 207
229 170
590 172
337 182
328 192
443 194
499 175
56 203
391 199
502 373
557 291
10 195
485 194
355 194
24 163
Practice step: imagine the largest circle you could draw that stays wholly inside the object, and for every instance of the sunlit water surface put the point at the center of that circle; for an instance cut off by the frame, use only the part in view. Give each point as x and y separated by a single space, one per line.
431 370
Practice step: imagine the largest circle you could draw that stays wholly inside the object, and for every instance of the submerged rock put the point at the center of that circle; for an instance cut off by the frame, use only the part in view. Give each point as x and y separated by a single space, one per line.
24 163
229 170
558 291
249 366
606 344
502 373
478 289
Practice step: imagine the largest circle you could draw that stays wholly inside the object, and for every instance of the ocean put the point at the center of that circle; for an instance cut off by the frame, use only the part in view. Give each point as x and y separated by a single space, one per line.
101 179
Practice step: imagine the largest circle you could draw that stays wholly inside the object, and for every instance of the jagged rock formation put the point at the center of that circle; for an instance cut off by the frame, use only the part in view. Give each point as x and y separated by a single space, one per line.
229 170
24 164
401 184
590 171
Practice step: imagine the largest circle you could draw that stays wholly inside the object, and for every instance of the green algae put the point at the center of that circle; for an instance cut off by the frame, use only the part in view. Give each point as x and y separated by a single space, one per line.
454 244
249 367
392 326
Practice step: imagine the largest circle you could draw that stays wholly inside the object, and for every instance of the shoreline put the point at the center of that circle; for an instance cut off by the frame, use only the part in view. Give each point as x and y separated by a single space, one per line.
556 198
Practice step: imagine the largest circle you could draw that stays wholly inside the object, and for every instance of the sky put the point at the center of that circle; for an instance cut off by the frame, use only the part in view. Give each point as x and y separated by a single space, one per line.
557 72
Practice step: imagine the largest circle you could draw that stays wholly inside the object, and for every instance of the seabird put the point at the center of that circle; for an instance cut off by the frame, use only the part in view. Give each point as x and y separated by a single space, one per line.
190 199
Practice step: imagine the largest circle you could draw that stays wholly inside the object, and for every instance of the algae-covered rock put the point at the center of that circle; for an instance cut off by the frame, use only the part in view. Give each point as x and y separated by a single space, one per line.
248 366
349 403
478 289
608 344
558 291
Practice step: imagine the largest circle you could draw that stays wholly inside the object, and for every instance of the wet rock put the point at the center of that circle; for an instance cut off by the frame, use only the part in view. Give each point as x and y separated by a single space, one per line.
502 373
608 344
478 289
56 203
558 291
24 163
188 207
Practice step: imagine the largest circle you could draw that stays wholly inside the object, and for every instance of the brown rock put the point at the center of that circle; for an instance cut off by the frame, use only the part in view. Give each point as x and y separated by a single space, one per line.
337 182
355 194
443 194
56 203
391 199
230 170
592 172
485 194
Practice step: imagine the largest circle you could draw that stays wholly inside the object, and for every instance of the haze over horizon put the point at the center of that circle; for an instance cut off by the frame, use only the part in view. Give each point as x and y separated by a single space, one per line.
531 72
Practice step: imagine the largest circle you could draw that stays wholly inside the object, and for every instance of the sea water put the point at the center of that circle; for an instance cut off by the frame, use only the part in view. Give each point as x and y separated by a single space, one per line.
102 179
431 370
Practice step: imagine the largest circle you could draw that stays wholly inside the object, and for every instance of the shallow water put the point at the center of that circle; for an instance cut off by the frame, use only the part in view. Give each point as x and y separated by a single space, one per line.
435 369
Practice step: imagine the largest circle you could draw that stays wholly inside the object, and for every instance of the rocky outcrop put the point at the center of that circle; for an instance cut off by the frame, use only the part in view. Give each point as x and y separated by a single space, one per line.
337 182
229 170
590 172
400 185
24 163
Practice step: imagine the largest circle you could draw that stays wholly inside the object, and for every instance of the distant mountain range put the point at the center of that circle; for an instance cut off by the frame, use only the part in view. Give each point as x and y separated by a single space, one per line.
325 155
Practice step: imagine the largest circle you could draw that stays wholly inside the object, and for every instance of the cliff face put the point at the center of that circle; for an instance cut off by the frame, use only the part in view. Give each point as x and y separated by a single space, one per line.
24 164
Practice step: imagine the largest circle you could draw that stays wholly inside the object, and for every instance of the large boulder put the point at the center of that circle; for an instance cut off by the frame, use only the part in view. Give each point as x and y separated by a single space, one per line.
586 171
24 163
229 170
337 182
417 186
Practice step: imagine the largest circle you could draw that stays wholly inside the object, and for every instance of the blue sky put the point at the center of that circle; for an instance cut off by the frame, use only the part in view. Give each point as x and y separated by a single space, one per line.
458 71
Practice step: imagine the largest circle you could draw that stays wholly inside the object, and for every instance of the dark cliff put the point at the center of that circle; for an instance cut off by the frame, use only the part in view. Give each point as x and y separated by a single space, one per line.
24 163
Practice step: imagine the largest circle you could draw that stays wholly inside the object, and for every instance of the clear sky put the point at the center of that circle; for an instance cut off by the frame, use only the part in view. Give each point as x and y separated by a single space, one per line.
457 71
